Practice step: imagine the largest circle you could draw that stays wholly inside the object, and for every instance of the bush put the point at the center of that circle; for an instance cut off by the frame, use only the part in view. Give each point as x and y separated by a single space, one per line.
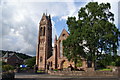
8 73
112 63
23 69
79 63
55 70
7 67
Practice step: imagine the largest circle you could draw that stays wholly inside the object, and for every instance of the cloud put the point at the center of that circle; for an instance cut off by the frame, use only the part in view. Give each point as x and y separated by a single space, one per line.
71 11
20 23
20 20
19 28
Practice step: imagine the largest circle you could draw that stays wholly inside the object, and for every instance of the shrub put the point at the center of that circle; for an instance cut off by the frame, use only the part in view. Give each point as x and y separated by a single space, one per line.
113 63
79 63
24 69
7 67
55 70
8 73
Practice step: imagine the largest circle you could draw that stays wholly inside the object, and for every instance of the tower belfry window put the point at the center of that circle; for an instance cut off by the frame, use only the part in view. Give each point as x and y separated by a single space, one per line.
41 59
64 36
42 31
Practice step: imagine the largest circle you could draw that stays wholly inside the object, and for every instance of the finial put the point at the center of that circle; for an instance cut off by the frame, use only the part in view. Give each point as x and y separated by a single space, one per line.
49 16
43 14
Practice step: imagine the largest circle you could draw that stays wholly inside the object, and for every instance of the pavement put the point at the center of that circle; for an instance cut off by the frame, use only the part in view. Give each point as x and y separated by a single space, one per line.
33 76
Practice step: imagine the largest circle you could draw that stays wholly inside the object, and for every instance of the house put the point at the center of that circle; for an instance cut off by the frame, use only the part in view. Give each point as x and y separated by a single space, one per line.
12 59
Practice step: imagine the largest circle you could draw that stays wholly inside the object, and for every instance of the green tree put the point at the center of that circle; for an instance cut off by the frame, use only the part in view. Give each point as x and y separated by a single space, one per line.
30 62
104 60
117 61
93 33
72 49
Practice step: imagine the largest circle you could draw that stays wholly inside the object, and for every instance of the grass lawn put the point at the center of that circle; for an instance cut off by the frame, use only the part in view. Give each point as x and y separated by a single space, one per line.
40 71
105 70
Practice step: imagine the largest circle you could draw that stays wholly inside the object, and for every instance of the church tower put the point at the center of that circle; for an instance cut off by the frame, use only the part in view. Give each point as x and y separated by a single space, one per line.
44 45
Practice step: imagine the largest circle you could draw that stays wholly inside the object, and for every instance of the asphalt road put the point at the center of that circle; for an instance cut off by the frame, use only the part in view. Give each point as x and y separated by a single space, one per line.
32 76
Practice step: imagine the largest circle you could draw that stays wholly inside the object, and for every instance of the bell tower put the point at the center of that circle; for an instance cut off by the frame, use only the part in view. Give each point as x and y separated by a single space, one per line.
44 45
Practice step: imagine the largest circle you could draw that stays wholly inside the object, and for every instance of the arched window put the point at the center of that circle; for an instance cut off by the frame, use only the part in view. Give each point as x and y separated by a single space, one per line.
48 63
61 49
42 31
51 63
64 36
41 59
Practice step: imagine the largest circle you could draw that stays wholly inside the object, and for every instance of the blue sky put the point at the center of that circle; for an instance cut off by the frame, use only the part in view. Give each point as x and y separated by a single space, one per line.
20 20
60 25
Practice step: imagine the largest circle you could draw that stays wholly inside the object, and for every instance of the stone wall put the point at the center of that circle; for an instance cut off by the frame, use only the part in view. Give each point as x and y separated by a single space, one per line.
119 72
8 76
84 73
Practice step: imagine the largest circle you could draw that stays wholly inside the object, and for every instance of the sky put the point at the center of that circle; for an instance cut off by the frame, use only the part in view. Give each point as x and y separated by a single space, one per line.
19 20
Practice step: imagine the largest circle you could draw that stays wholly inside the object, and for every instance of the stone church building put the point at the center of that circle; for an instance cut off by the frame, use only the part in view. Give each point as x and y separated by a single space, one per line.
46 56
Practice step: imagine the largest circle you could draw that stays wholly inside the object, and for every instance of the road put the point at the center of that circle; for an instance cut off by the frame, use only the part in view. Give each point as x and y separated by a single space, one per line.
32 76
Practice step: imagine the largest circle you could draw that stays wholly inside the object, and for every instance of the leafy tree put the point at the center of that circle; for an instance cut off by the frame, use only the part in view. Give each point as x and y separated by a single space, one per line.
23 56
117 61
30 62
92 34
72 49
104 60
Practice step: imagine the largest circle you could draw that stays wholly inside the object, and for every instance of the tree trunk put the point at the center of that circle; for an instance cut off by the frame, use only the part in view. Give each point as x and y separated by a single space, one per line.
75 62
